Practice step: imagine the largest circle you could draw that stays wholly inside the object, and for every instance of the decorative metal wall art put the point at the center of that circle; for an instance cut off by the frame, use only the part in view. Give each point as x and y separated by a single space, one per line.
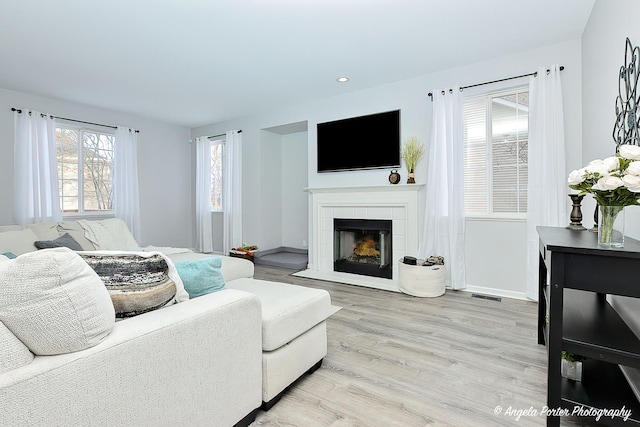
626 128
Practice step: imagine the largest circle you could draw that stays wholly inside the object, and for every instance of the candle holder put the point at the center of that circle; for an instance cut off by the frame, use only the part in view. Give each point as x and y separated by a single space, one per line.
576 213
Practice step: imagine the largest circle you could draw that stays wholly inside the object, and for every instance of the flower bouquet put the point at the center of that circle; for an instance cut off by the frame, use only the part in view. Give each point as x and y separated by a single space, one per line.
614 183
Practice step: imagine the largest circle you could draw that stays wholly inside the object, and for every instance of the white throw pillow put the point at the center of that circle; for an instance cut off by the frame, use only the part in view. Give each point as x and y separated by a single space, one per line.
18 242
45 230
111 234
13 353
54 302
76 231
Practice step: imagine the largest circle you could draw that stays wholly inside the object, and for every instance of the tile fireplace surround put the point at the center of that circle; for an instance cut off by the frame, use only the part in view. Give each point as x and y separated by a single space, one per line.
398 203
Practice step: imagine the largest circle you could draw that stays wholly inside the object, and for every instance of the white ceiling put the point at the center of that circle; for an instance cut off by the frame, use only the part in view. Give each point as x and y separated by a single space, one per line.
196 62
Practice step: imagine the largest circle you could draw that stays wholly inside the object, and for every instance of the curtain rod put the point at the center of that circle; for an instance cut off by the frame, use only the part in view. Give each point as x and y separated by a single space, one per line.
430 94
73 120
222 134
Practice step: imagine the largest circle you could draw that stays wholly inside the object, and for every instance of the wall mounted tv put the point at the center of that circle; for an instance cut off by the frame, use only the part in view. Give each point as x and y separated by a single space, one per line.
365 142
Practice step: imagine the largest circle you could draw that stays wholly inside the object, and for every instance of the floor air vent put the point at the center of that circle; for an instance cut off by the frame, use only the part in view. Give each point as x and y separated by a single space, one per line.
489 297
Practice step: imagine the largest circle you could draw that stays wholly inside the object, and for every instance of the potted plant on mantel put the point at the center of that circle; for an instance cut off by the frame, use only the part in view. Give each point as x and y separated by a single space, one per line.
412 152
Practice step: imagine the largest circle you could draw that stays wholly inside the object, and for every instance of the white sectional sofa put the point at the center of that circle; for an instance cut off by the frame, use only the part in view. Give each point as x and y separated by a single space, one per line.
209 361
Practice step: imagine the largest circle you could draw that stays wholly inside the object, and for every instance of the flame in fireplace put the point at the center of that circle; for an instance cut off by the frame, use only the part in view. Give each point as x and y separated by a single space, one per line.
366 247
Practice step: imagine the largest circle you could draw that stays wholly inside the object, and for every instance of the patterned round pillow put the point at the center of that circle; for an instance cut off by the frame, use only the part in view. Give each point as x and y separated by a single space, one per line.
137 282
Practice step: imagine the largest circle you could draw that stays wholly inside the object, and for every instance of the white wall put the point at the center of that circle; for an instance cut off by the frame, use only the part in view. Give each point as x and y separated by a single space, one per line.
603 47
270 184
164 165
497 241
295 224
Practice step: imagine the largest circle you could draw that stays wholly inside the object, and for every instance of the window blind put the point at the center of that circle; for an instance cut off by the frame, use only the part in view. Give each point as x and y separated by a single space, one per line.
495 146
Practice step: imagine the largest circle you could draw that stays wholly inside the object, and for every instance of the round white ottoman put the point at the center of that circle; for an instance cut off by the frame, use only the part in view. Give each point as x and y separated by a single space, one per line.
421 281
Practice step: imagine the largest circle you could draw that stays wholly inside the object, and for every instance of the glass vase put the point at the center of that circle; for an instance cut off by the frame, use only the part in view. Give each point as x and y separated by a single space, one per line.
571 370
611 227
411 179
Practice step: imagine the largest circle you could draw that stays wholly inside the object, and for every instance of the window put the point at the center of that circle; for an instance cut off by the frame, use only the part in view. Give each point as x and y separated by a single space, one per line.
217 151
85 169
496 135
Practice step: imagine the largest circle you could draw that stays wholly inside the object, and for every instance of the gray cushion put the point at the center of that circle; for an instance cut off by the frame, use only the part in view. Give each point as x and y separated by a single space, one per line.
54 302
64 241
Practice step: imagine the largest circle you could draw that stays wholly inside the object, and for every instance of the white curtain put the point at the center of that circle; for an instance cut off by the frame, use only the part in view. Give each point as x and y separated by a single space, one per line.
204 238
232 191
35 191
443 231
547 179
126 196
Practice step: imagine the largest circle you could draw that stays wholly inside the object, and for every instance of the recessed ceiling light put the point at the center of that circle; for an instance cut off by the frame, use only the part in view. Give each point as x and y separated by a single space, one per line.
342 79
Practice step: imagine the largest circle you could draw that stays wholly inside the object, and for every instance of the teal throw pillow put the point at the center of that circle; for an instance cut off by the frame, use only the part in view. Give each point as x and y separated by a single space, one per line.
202 276
9 255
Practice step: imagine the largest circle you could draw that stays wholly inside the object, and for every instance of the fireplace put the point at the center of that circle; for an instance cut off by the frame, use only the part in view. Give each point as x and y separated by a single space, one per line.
396 203
363 246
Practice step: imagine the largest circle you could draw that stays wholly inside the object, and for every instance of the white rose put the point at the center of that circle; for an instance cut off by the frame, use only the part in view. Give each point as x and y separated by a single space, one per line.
612 163
595 162
632 182
576 177
608 183
634 168
631 152
598 167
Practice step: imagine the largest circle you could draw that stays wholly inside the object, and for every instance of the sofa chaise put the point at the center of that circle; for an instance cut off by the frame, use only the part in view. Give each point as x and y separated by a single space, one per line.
211 360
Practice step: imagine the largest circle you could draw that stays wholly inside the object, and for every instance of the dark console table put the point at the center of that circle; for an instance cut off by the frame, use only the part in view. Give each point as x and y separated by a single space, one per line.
574 316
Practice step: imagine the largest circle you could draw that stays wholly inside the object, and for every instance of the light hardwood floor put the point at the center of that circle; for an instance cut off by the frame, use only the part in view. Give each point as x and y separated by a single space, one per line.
398 360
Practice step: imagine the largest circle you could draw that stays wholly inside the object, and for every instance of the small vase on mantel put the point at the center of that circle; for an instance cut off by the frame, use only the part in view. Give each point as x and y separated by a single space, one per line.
611 226
411 179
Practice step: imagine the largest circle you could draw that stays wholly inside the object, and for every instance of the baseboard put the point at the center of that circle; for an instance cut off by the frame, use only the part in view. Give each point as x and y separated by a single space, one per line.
262 253
496 292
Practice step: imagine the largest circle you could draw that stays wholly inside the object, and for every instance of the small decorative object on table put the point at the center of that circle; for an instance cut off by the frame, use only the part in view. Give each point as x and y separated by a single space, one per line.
614 183
412 152
571 367
576 213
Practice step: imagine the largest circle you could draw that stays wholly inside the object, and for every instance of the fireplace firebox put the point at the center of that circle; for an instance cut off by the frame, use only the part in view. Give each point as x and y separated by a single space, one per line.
362 246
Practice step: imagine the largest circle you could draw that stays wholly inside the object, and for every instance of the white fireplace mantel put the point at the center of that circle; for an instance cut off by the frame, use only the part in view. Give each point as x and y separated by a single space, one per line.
398 203
366 189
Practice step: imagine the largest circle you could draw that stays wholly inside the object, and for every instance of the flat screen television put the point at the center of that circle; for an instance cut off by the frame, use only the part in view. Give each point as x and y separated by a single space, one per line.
365 142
